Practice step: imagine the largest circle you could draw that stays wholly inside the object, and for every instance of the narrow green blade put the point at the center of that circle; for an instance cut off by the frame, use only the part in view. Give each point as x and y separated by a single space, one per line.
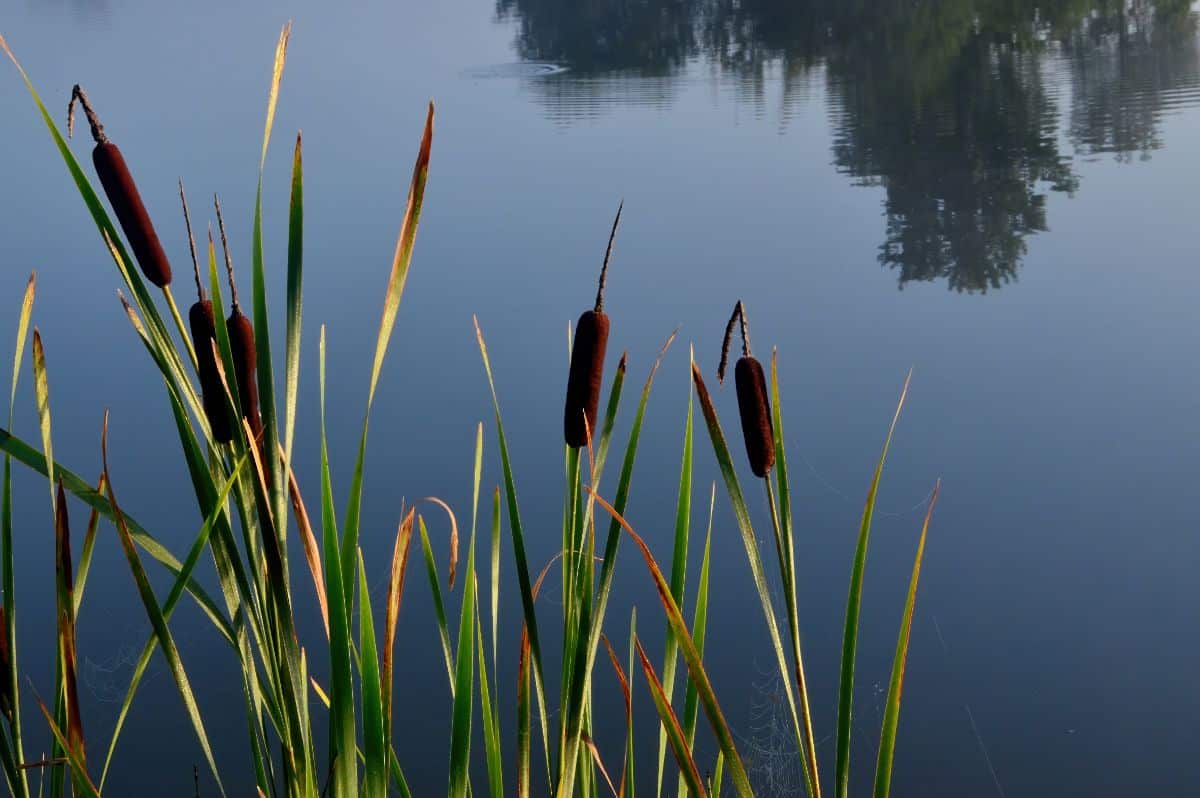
460 725
679 558
344 767
157 621
687 765
853 608
375 771
691 656
891 715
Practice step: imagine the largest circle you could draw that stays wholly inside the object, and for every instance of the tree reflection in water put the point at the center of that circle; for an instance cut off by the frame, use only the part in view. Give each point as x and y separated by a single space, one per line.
946 106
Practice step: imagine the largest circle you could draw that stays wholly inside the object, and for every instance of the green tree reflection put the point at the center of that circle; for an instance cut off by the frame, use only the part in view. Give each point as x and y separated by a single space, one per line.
952 108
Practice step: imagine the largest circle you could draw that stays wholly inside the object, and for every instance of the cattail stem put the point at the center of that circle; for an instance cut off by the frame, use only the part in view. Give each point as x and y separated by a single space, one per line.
187 221
787 570
607 256
77 95
183 330
225 250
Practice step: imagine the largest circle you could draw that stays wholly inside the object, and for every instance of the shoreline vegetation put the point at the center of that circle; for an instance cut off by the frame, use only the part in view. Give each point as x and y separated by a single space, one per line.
234 411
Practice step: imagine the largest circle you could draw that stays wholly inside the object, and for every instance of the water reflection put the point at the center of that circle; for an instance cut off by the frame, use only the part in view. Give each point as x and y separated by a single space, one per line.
967 114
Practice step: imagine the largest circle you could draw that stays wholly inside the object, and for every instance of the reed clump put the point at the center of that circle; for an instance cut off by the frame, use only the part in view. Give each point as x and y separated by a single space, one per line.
254 613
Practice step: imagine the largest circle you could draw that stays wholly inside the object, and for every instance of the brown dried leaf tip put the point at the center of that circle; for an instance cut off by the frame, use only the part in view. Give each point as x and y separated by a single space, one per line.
123 195
587 361
753 404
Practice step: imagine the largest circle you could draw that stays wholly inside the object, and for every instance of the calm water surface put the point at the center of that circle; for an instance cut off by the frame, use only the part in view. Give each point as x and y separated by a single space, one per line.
1000 195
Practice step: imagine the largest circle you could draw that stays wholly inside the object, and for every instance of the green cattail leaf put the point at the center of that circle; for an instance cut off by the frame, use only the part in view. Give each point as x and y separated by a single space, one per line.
234 582
628 777
41 389
439 606
375 770
157 621
89 546
18 781
398 776
522 562
781 518
177 589
628 697
495 562
85 787
853 608
344 767
391 305
588 639
25 454
699 633
749 542
395 591
691 656
891 714
22 332
295 283
679 556
490 710
65 592
460 724
403 254
687 765
273 96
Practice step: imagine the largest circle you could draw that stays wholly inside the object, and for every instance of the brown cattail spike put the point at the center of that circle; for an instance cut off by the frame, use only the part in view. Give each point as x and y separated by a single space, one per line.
586 376
756 414
202 322
241 340
753 404
587 361
245 360
204 333
123 195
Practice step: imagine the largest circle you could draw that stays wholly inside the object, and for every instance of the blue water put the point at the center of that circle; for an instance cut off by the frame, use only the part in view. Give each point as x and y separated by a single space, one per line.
997 195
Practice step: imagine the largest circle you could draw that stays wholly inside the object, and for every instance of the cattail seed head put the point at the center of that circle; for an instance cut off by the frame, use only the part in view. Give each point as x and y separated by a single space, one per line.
204 334
245 360
587 360
753 405
124 197
586 376
755 411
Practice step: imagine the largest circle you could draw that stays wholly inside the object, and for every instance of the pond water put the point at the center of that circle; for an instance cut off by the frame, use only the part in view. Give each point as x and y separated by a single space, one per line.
999 195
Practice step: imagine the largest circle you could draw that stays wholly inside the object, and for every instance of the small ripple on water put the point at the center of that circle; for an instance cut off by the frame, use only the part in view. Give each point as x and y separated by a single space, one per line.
521 69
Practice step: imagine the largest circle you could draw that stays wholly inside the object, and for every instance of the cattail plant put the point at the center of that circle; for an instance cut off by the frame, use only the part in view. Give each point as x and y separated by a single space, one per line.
241 340
123 194
753 405
587 361
203 327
